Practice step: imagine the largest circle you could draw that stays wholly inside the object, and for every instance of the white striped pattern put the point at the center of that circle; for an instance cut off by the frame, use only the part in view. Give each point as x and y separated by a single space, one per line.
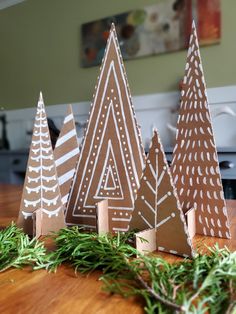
67 156
68 118
67 176
65 137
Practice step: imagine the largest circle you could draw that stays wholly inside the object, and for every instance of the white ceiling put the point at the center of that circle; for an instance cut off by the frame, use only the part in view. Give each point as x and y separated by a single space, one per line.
7 3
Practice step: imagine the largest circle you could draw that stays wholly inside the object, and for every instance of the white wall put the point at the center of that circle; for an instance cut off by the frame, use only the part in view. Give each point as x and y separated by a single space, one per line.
156 110
8 3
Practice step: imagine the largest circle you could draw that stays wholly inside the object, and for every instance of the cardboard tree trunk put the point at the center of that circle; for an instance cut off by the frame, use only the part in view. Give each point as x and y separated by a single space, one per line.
66 155
190 217
146 241
41 198
157 206
102 217
195 166
112 156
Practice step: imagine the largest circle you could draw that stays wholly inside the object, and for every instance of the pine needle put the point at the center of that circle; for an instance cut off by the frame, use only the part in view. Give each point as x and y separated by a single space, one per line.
18 250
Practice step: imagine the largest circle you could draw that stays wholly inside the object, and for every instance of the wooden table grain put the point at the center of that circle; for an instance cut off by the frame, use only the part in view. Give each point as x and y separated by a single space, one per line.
24 291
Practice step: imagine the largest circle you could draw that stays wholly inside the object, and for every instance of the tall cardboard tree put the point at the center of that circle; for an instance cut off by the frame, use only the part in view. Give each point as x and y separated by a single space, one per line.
195 166
112 157
41 189
157 205
66 154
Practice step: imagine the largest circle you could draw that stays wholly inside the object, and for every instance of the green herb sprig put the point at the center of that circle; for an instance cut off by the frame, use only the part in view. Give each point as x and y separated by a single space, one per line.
205 284
88 251
18 250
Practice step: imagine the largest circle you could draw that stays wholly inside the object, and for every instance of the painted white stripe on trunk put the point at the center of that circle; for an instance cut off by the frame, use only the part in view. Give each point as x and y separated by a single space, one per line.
163 221
120 229
149 205
66 137
161 200
65 177
152 171
146 221
68 118
161 177
67 156
81 225
150 187
86 216
121 219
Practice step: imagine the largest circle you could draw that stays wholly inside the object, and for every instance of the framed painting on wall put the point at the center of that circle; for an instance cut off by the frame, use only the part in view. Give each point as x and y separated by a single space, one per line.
159 28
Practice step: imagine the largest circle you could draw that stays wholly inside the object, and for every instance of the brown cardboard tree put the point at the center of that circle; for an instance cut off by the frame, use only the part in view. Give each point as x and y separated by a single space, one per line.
112 157
66 155
41 198
195 167
157 206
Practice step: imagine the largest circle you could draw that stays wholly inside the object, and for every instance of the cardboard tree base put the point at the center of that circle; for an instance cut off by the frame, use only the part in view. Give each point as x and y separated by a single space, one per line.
27 224
102 217
146 241
43 224
190 217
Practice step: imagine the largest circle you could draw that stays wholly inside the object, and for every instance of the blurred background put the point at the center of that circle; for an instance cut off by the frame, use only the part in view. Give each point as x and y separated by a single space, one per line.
56 47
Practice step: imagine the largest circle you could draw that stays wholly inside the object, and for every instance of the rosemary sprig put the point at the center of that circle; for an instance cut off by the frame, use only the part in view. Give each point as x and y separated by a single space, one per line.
205 284
88 251
18 250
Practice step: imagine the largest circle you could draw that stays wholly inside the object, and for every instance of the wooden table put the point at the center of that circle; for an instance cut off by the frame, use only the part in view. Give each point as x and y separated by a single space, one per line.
24 291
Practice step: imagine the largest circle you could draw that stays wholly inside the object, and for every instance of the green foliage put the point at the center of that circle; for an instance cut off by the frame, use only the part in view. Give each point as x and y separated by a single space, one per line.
18 250
88 251
205 284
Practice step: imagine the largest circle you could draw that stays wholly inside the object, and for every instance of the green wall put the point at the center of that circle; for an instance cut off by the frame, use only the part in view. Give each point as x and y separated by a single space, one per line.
39 50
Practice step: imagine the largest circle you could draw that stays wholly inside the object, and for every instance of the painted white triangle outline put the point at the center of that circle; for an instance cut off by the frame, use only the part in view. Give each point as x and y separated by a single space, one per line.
110 108
109 149
110 174
96 126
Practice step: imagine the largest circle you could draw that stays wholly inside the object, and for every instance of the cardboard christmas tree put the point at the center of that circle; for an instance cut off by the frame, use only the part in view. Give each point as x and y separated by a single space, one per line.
41 208
112 157
157 209
66 155
195 166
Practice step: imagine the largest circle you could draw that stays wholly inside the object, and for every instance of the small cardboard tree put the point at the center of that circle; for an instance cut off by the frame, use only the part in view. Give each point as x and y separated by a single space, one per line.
112 157
41 209
157 211
66 155
195 166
